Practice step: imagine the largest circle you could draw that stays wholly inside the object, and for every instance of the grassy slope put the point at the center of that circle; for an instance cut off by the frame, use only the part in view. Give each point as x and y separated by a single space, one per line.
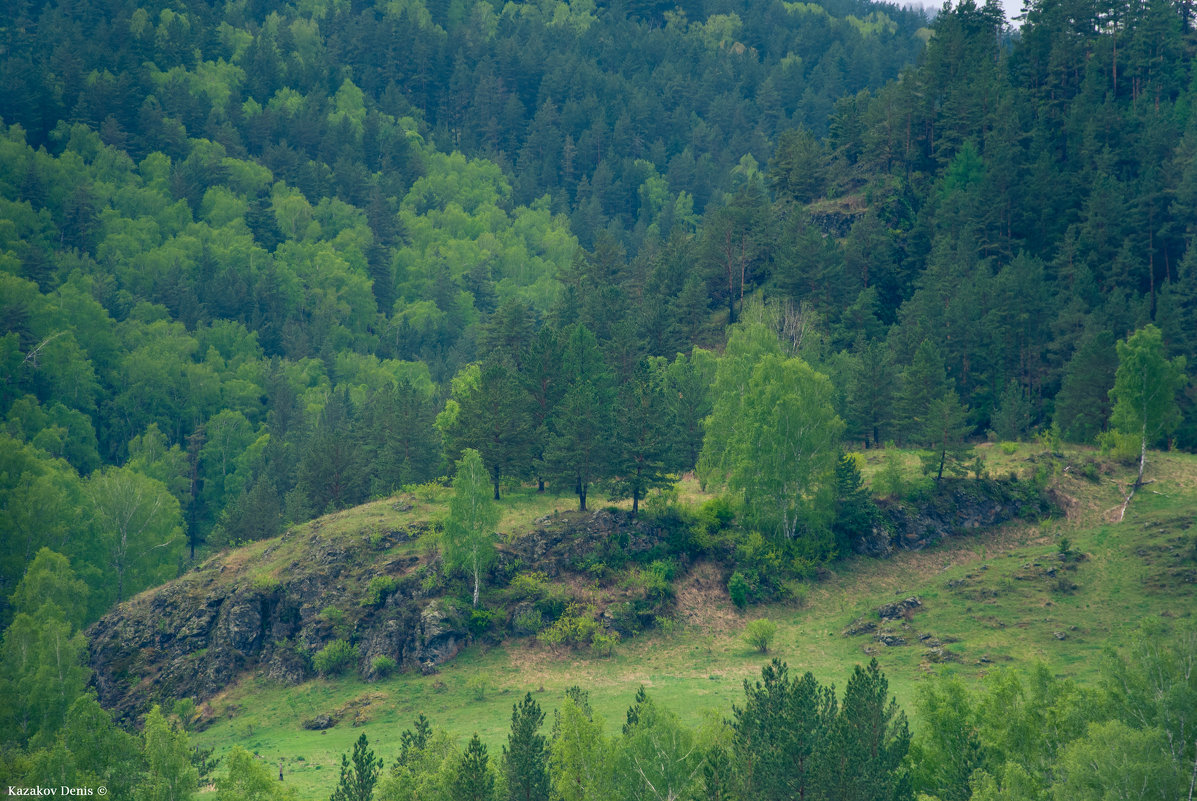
989 592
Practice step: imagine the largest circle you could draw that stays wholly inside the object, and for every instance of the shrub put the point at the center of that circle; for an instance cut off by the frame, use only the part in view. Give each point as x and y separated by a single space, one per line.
529 586
429 491
480 620
383 666
662 504
760 633
1064 549
530 621
604 644
890 481
739 589
477 687
1120 447
378 590
335 658
575 627
652 584
336 618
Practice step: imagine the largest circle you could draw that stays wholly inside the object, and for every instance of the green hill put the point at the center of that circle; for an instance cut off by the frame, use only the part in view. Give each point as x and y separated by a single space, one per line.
1009 596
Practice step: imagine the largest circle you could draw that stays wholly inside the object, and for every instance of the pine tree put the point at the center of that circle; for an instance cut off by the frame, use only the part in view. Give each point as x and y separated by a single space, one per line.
867 741
1012 418
643 434
541 376
579 451
493 416
359 774
778 736
473 780
945 431
1083 402
525 757
923 381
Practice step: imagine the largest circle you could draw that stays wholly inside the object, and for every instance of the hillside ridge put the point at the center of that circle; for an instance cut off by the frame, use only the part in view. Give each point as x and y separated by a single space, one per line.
371 576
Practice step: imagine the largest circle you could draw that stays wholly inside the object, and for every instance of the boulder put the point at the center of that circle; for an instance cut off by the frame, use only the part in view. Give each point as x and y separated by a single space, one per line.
899 610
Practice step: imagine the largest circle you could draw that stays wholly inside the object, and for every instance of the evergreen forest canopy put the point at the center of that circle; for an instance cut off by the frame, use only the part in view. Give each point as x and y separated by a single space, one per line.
260 263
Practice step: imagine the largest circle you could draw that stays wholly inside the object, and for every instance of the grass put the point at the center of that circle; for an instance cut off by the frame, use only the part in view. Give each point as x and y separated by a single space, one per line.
989 599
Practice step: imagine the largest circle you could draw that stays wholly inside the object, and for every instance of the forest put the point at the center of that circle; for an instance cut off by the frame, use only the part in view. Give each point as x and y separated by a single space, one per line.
260 262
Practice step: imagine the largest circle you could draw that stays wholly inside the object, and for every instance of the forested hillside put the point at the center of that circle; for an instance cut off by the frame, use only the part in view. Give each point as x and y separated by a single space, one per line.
244 254
261 262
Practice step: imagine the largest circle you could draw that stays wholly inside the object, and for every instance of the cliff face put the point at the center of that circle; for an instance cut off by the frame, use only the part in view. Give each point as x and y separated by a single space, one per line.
270 606
246 609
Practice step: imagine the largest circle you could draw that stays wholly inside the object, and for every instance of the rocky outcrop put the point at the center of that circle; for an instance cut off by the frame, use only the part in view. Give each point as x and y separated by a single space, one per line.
564 542
195 635
953 508
272 606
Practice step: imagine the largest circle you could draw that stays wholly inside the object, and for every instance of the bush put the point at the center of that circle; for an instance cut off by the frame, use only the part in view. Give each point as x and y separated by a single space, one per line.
739 589
336 618
760 633
530 621
1120 447
575 627
383 666
480 620
890 481
378 590
335 658
477 687
604 644
652 584
529 586
718 512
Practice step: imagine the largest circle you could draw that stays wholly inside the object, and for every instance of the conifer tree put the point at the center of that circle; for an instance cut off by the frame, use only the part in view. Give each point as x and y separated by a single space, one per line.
867 741
580 451
643 437
778 738
525 757
923 381
474 781
945 431
359 774
492 417
1083 402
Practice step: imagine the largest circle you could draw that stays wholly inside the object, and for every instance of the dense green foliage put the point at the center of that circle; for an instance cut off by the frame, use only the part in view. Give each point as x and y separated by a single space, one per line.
259 263
250 254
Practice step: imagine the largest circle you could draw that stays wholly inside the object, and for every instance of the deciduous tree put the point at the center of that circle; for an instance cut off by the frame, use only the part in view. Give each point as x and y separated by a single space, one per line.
470 529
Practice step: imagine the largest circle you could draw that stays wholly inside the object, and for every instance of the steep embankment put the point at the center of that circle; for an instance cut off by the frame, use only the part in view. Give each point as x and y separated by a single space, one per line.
370 577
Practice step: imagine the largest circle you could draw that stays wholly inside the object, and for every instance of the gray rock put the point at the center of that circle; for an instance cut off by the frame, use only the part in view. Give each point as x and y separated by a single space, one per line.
860 626
319 723
898 610
889 640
